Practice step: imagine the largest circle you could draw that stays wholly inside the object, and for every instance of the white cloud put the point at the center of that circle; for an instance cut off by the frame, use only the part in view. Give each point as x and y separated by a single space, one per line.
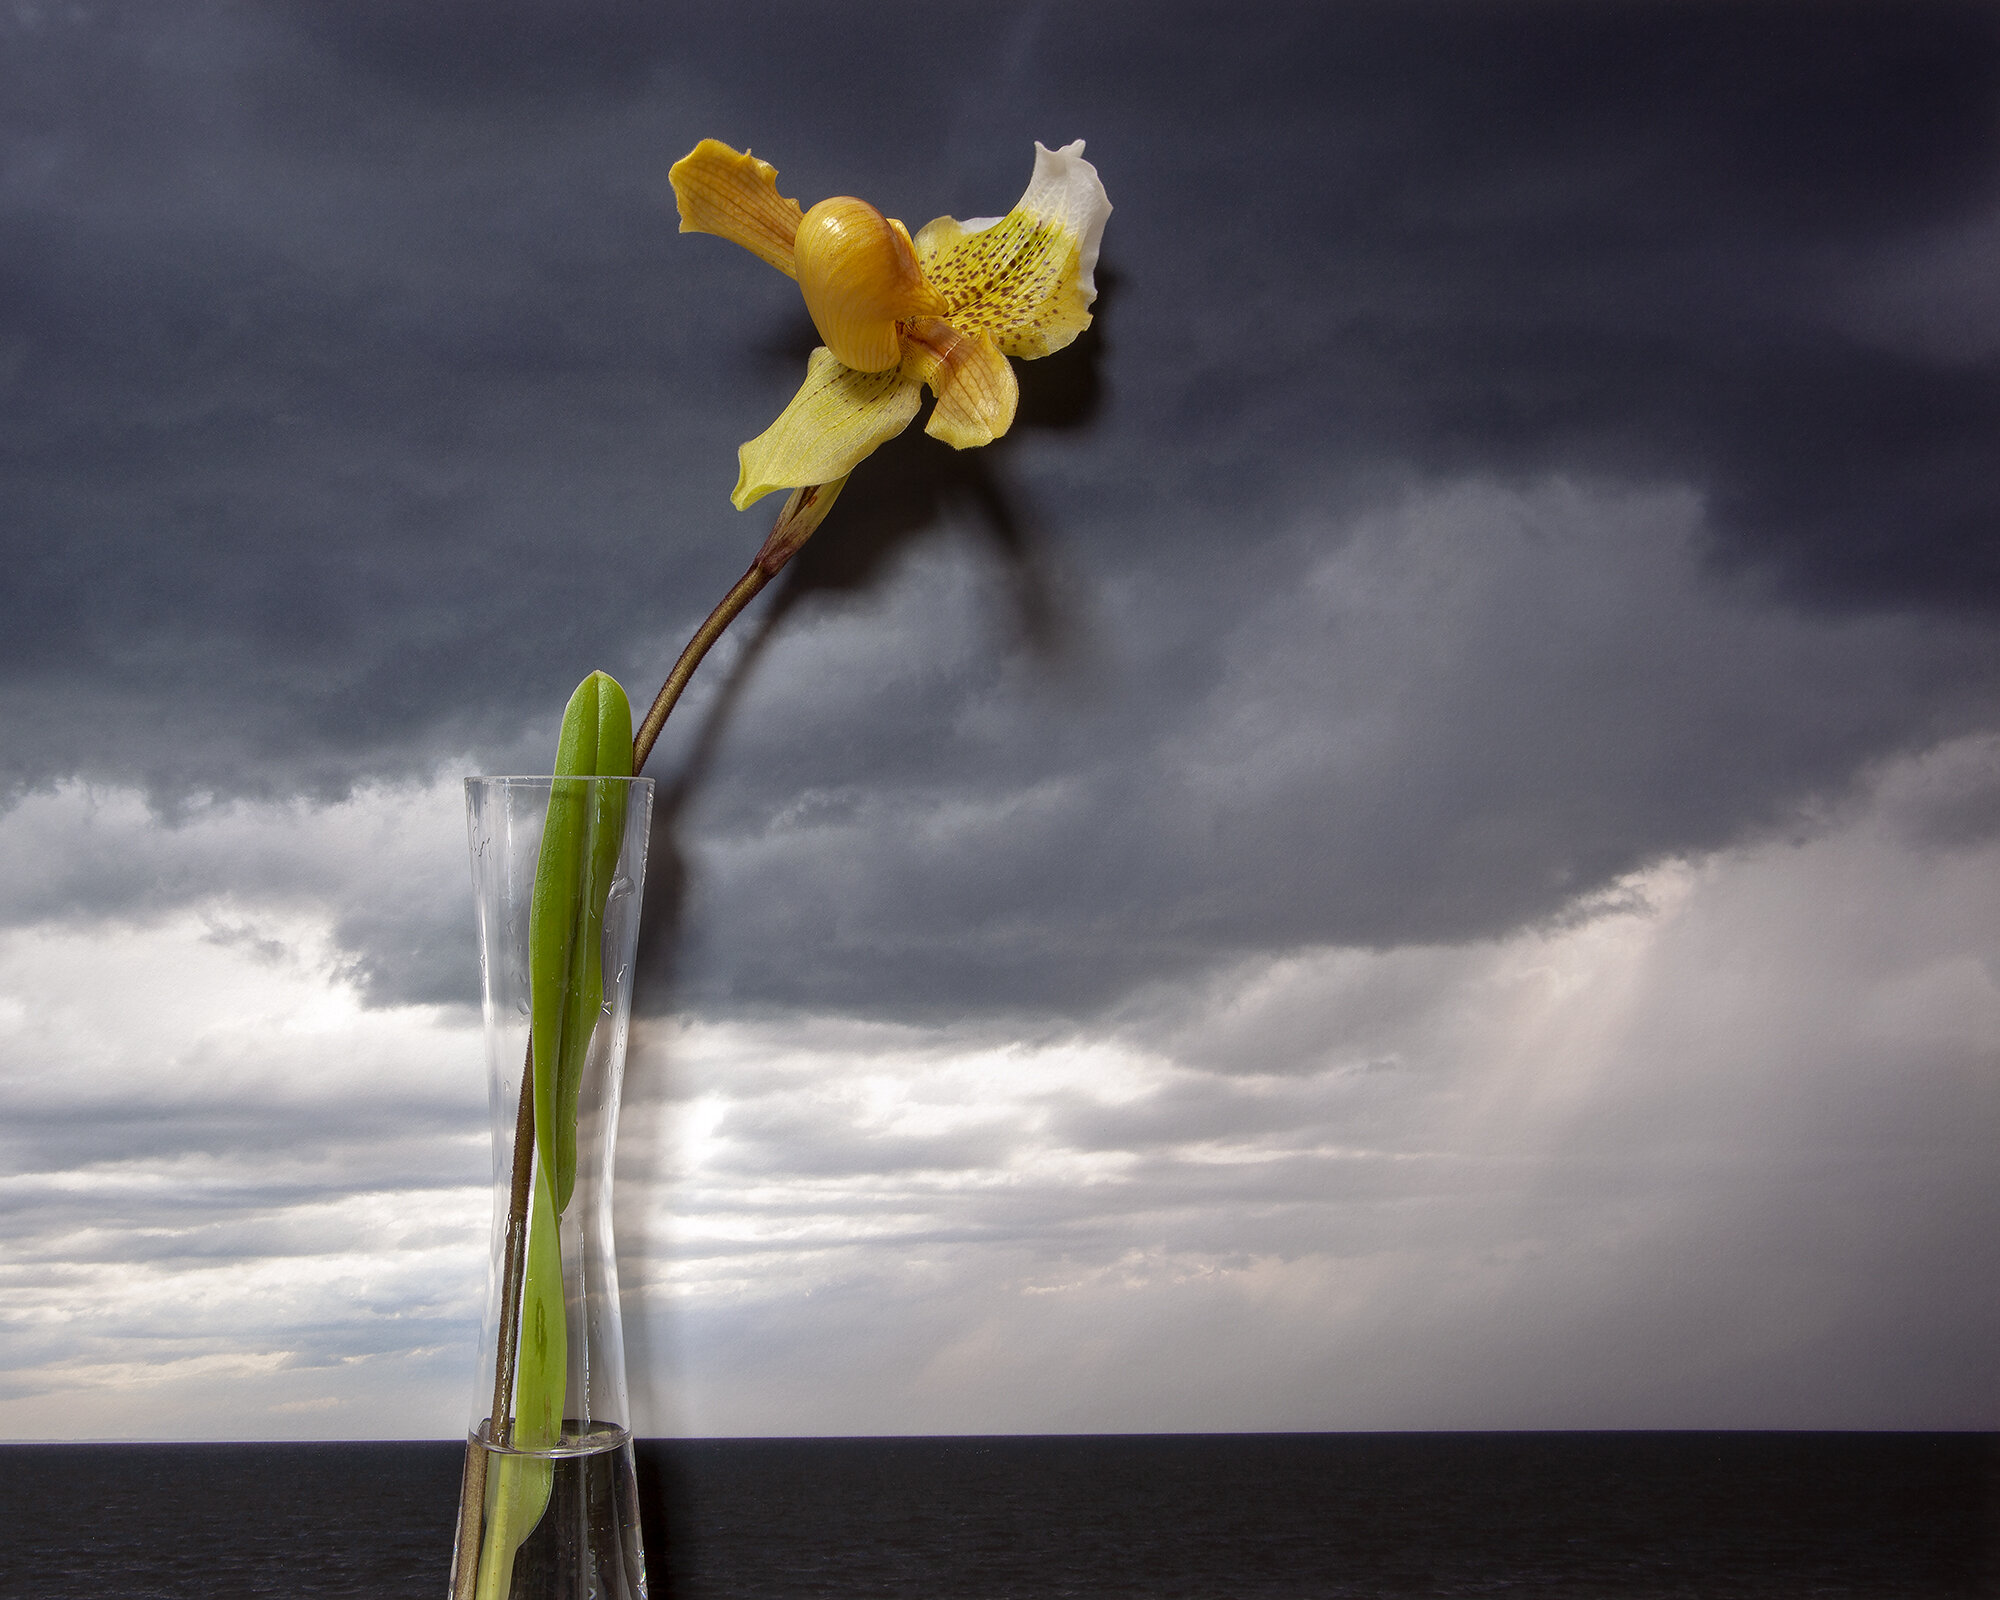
238 1201
1715 1154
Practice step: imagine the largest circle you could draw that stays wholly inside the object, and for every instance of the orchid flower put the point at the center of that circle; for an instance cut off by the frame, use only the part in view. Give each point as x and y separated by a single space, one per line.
945 309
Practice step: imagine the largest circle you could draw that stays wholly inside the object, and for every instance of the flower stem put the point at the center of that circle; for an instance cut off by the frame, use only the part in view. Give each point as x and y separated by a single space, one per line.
521 1181
499 1422
746 590
804 510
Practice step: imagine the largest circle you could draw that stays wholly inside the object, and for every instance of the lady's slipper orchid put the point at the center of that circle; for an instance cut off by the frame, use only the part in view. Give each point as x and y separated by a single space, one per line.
945 308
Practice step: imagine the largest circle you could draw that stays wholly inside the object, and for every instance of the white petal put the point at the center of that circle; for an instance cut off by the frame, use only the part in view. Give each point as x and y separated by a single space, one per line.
1065 190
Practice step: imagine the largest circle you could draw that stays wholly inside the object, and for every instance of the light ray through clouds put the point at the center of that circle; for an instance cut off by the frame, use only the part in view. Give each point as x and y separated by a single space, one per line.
1649 1168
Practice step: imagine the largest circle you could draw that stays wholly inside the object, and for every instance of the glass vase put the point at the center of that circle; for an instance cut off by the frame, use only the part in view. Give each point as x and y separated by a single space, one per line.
549 1509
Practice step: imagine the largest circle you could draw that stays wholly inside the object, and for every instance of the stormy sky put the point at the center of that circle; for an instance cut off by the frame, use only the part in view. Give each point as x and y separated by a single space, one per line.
1415 848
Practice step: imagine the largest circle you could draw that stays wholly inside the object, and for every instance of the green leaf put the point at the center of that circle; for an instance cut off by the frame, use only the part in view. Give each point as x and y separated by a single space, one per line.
586 825
542 1356
579 855
517 1492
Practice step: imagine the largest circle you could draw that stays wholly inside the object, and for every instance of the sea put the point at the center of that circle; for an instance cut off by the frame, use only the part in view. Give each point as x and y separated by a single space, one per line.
1691 1516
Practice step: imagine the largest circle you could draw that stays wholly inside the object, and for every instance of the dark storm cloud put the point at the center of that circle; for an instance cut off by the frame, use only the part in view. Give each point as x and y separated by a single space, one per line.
361 396
1485 706
311 393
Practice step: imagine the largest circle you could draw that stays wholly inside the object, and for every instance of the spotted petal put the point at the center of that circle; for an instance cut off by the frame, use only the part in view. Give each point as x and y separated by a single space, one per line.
835 420
731 194
1029 278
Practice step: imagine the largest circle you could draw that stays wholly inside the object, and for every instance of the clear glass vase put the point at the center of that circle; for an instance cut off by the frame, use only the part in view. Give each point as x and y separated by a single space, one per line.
550 1506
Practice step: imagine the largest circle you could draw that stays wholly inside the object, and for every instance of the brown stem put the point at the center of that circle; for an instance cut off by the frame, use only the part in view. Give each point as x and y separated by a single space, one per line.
745 591
804 510
471 1522
522 1181
499 1422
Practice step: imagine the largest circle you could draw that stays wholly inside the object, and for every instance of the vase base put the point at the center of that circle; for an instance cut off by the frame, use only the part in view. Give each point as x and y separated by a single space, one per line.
562 1522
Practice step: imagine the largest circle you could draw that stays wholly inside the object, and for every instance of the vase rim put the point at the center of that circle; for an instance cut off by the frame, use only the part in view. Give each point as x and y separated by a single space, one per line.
551 777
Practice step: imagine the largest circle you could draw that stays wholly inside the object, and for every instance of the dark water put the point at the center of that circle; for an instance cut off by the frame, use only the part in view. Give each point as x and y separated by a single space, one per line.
1246 1517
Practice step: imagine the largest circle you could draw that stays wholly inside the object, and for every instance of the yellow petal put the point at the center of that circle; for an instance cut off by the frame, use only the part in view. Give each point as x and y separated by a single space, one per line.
733 195
838 417
976 389
1029 278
